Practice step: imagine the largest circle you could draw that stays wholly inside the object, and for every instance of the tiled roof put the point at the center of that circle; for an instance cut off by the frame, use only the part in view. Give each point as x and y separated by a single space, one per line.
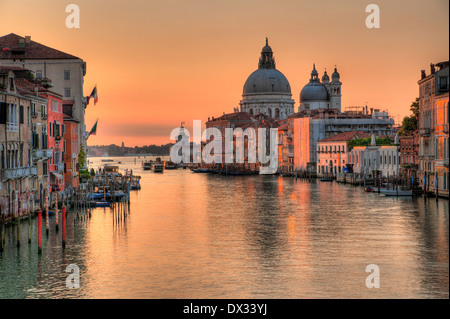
232 117
11 49
346 136
24 86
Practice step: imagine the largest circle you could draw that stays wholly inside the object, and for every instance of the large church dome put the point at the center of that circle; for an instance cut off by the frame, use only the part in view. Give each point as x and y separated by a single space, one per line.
267 79
267 91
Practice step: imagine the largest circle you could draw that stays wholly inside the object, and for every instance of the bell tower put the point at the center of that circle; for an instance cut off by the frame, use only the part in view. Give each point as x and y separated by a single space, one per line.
335 90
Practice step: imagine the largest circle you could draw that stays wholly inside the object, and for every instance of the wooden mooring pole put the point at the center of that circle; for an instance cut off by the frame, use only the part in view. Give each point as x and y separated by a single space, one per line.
64 226
39 232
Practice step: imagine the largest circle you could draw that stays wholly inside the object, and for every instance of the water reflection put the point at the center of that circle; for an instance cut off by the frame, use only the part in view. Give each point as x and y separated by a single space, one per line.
190 235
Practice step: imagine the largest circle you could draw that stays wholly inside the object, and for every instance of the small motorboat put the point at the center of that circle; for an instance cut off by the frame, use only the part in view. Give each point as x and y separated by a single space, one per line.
147 165
395 192
326 180
158 167
369 189
200 170
170 165
102 204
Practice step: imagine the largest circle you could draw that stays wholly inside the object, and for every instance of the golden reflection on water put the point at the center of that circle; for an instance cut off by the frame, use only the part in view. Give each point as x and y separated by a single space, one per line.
191 235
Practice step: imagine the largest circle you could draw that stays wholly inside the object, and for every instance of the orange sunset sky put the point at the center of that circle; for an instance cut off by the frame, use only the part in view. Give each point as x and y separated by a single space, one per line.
159 63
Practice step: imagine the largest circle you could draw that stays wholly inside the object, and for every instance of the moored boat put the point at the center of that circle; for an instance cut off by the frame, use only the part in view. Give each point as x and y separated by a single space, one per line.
158 167
170 165
147 165
395 192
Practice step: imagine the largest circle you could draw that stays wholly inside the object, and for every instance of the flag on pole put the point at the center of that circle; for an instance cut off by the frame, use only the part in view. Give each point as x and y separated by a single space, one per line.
94 95
93 130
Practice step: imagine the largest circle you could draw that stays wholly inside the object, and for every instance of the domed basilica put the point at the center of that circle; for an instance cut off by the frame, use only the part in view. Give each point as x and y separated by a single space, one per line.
267 90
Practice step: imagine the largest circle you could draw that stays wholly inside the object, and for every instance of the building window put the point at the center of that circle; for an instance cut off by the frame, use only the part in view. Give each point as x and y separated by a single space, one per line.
443 84
45 168
43 111
39 74
12 118
66 75
67 92
55 106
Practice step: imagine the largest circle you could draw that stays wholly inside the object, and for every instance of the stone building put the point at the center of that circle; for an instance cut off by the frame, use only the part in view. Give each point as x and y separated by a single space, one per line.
375 159
311 126
17 172
332 153
431 126
409 154
71 167
64 71
41 153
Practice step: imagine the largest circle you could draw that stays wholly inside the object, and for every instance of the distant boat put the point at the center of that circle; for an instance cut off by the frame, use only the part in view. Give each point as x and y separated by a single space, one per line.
102 204
326 180
170 165
369 189
147 165
107 160
200 170
266 172
158 167
394 192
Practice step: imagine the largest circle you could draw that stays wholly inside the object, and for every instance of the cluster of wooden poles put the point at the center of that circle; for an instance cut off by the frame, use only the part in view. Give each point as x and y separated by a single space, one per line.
47 225
79 200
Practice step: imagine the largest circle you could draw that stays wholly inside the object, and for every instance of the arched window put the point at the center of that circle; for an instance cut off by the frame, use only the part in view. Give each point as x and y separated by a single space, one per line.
277 113
251 111
270 112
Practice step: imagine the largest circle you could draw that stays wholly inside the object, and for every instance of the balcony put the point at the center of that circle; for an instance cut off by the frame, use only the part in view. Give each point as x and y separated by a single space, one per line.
18 173
42 154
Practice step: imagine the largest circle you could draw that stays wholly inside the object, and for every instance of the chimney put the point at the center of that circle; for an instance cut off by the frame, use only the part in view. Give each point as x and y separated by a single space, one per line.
27 39
432 68
423 74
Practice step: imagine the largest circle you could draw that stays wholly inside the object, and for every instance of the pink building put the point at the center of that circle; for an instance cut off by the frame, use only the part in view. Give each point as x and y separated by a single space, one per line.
55 131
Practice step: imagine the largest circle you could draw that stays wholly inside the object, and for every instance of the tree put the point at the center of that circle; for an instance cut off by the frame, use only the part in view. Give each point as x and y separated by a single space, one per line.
81 156
409 123
415 108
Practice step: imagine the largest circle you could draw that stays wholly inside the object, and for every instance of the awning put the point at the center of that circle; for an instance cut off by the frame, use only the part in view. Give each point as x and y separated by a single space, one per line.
57 175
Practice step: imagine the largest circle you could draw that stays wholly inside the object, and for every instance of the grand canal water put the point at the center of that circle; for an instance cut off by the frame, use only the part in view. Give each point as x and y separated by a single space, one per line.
194 235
